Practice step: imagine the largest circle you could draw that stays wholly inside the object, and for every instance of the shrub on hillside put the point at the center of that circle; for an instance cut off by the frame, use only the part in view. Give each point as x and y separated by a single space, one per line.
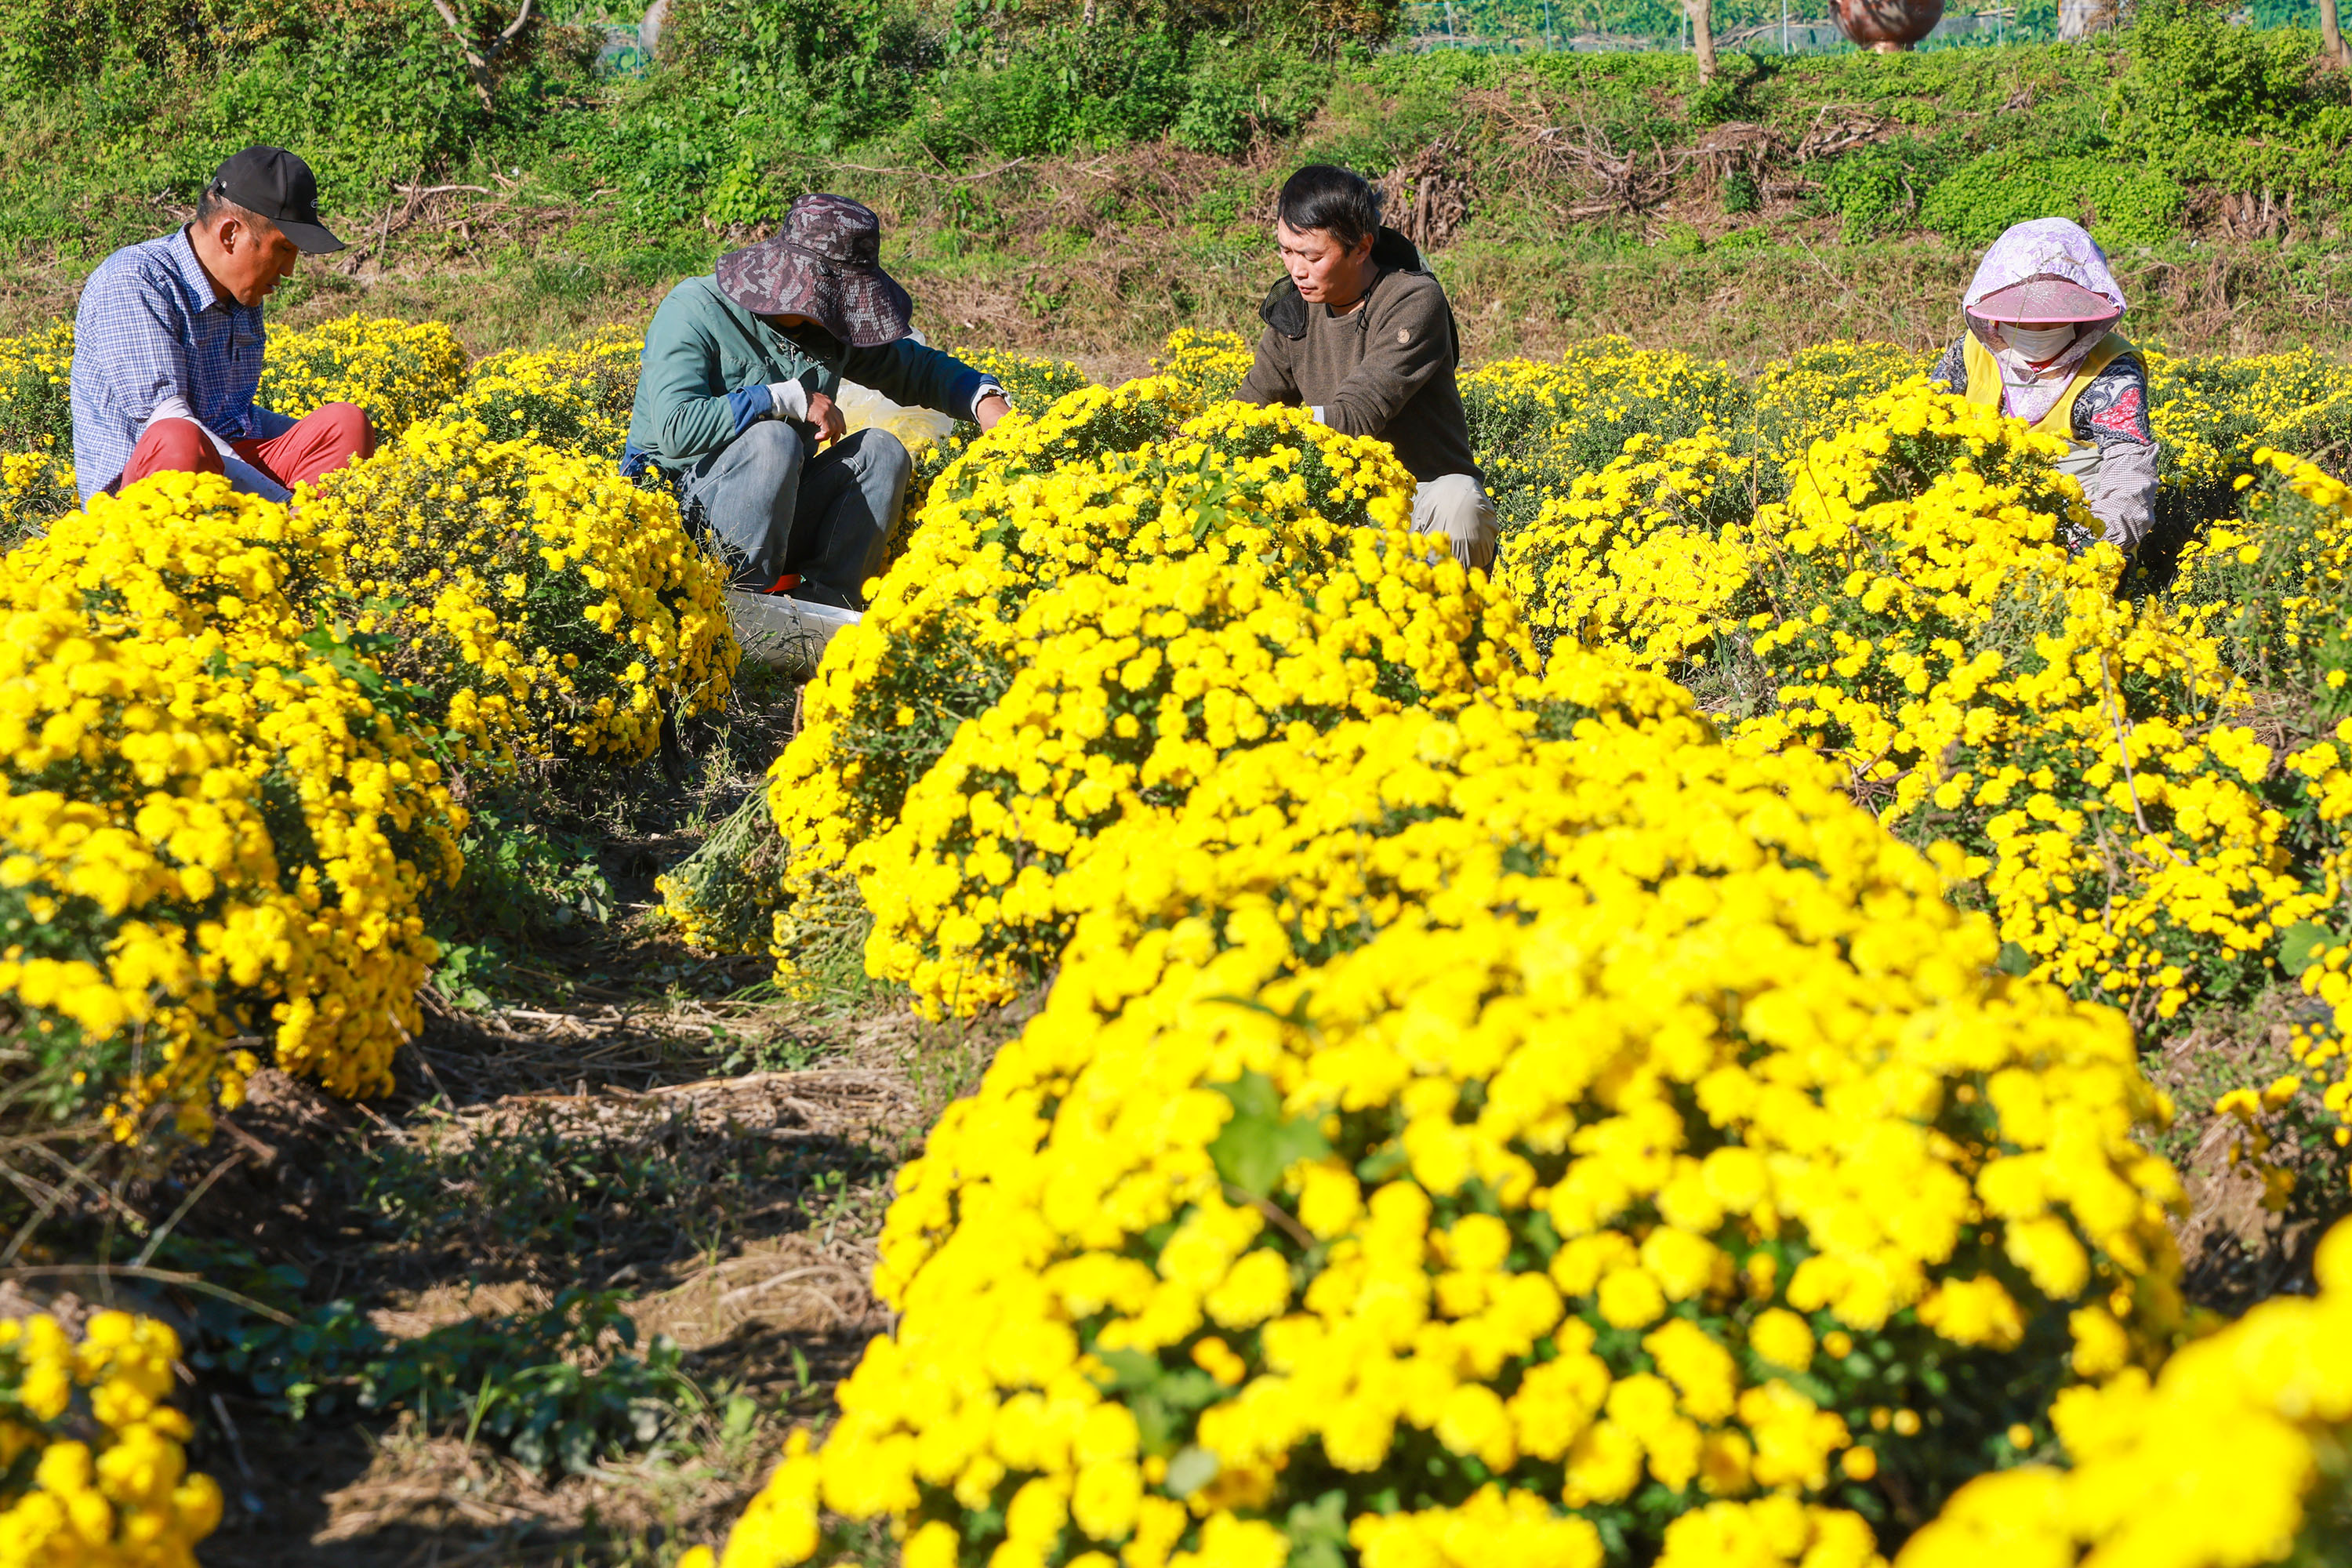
2249 107
1878 189
850 69
2121 205
1065 87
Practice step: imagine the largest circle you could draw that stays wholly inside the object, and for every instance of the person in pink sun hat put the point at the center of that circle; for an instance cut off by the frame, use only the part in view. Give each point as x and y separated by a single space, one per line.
2041 344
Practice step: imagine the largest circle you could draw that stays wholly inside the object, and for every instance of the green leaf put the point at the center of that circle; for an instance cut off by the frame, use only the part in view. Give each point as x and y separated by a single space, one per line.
1259 1144
2305 944
1192 1469
1131 1370
1298 1018
1190 1389
1318 1533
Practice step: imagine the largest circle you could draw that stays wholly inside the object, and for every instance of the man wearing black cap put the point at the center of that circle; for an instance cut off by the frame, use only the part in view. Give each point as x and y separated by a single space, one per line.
169 339
736 393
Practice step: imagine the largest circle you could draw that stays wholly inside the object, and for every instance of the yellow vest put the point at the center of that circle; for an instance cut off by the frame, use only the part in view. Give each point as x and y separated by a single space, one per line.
1984 380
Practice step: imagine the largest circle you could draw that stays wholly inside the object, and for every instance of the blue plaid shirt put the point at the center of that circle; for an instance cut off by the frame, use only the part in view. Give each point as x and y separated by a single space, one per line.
149 328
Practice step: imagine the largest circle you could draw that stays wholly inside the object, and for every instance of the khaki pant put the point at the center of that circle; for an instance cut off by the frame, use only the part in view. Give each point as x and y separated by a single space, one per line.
1458 505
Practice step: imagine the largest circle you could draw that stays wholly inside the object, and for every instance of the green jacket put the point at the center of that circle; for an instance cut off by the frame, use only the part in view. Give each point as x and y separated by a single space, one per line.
707 364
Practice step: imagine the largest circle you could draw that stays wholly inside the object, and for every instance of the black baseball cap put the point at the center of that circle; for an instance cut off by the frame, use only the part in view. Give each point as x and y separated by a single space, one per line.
271 182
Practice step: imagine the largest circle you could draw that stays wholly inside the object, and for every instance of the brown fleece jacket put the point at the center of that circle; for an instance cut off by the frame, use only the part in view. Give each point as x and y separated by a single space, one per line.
1384 369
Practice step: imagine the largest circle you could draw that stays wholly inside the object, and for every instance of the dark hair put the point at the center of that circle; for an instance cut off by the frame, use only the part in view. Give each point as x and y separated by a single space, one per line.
1338 201
212 203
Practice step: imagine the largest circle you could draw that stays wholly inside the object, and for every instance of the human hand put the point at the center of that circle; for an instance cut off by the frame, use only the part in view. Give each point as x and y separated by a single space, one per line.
825 414
990 409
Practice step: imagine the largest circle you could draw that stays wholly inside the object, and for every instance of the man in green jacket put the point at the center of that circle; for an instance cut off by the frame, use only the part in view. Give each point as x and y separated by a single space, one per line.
735 396
1361 334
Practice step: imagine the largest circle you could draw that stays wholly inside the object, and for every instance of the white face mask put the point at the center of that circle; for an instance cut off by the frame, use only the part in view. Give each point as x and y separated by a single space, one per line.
2039 344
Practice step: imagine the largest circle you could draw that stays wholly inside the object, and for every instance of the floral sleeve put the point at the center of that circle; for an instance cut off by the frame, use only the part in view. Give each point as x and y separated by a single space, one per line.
2113 410
2112 413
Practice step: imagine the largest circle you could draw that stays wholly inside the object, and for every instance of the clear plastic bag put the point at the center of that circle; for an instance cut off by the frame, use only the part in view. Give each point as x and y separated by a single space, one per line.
863 408
787 633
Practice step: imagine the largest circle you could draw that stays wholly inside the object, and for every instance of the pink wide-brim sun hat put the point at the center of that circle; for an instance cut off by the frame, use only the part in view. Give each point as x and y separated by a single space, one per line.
2044 298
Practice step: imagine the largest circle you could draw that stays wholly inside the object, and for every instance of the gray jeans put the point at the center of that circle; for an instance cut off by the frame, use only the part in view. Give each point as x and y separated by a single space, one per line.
773 509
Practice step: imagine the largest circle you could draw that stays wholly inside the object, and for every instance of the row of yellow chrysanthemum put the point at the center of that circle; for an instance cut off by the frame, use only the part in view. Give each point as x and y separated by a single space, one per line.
1042 939
1126 1272
226 725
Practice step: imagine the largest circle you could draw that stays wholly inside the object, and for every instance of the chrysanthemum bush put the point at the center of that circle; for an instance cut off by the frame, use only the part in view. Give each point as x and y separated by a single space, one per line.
396 370
1985 688
724 897
1126 695
1816 392
1524 1127
1536 426
575 397
1105 481
2233 1454
36 390
928 652
93 1471
1032 383
1646 554
216 832
2210 412
2270 590
1534 1131
2269 584
35 430
34 488
1211 363
550 611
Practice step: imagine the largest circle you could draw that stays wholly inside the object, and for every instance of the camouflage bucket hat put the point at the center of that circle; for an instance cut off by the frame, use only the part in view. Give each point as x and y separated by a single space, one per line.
826 263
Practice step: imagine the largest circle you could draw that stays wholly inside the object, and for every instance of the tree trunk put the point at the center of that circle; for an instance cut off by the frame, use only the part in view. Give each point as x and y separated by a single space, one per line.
2331 34
2081 18
1702 20
479 62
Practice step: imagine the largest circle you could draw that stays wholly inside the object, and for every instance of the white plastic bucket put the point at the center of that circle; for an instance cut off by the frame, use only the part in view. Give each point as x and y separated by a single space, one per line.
782 632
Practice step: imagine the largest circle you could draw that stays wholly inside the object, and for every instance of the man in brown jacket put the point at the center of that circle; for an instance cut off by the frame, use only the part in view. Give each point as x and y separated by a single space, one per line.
1360 333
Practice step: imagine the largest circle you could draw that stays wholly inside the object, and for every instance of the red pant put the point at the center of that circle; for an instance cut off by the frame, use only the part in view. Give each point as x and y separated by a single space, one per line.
320 442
